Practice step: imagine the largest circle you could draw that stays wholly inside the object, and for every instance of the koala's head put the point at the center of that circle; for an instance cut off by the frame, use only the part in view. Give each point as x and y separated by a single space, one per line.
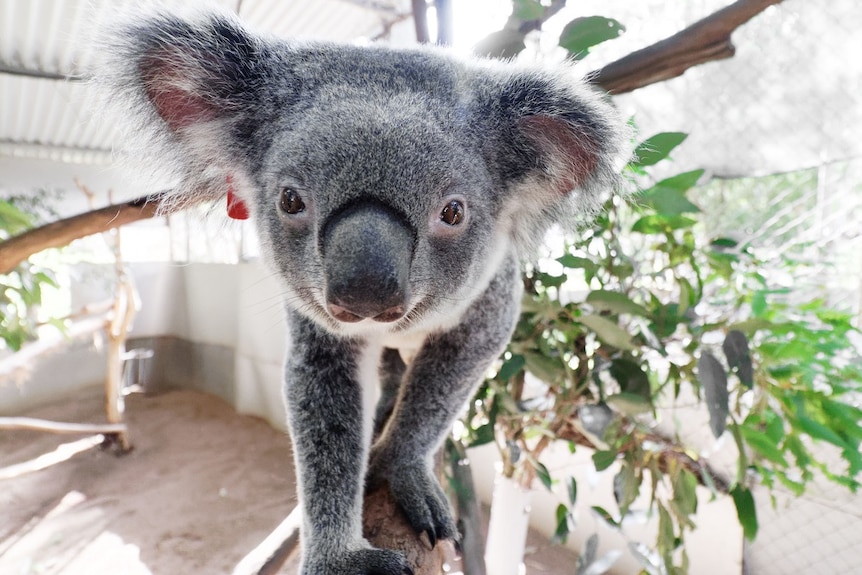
387 185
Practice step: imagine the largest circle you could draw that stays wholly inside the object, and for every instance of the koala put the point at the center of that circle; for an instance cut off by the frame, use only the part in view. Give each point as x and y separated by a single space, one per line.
396 193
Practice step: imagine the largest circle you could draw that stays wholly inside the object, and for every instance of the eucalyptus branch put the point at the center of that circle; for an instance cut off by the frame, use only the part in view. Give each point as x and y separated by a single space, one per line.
704 41
61 232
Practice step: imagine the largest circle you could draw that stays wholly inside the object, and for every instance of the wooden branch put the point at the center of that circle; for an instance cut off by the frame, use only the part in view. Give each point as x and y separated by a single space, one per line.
385 526
60 233
704 41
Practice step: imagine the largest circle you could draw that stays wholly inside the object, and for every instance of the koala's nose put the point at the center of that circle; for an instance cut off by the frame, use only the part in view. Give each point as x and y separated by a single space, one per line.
367 251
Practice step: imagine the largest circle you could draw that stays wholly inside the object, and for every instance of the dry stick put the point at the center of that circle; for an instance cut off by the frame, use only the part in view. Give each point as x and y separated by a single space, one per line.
704 41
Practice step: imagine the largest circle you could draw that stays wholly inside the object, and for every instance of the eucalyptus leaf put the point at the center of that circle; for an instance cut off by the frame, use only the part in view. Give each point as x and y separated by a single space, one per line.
528 10
543 474
548 369
763 444
511 367
12 219
576 262
738 356
661 223
604 459
685 492
605 300
655 149
713 380
565 524
605 516
608 331
631 378
682 182
581 34
667 201
745 511
629 403
572 489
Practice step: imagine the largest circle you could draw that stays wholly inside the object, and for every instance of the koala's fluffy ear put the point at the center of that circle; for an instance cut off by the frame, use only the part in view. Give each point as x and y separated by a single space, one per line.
561 143
194 85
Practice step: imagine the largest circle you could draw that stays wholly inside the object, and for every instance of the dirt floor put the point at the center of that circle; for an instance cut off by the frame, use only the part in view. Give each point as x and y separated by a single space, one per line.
202 487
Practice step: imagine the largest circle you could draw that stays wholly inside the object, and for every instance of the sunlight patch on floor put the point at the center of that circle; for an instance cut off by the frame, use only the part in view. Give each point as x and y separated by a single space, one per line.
70 539
63 452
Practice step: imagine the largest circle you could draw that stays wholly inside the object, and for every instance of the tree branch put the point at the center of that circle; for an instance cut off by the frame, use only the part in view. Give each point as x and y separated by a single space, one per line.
60 233
704 41
385 526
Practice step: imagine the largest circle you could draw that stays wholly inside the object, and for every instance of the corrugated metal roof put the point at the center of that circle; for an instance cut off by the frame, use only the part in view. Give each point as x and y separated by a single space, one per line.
44 53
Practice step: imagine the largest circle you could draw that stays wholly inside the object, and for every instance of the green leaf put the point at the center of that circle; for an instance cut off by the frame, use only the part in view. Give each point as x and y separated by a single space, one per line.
724 243
817 430
604 459
543 474
548 280
665 541
631 378
661 224
668 196
745 511
848 417
608 331
763 445
12 219
626 487
713 380
629 403
735 347
758 304
581 34
604 515
685 492
653 150
572 488
528 10
667 201
511 367
547 369
565 524
682 182
575 262
604 300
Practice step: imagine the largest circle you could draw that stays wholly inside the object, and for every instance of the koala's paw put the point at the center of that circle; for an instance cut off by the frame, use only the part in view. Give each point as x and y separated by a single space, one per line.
358 562
421 499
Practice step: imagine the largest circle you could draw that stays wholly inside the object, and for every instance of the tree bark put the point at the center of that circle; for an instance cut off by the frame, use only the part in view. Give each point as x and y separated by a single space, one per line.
385 526
704 41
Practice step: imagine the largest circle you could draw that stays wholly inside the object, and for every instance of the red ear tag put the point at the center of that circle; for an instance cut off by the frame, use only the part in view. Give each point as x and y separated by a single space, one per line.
236 208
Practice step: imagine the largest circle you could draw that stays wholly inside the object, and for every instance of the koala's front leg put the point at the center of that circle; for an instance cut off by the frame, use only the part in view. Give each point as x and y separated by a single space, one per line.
324 403
437 384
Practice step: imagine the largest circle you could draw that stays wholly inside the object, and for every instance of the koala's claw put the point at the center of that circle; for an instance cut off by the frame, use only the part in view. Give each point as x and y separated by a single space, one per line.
360 562
422 500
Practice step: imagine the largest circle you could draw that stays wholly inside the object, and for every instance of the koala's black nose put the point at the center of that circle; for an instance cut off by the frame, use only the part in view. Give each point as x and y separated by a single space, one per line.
367 251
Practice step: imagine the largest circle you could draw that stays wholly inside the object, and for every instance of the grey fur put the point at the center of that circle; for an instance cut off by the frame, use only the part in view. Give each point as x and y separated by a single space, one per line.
347 157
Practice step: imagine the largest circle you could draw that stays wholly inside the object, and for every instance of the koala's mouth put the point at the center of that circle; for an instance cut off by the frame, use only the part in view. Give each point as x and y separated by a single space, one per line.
345 315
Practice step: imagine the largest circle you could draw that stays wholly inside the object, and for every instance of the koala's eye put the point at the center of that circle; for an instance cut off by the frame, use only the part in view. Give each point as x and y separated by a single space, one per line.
453 213
291 202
